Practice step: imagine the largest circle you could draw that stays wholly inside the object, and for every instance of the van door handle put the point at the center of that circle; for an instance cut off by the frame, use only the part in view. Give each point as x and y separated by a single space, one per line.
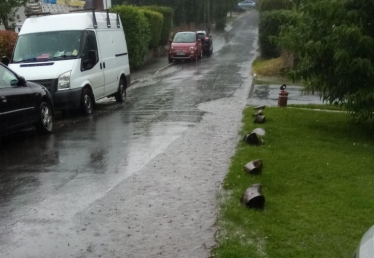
101 66
104 64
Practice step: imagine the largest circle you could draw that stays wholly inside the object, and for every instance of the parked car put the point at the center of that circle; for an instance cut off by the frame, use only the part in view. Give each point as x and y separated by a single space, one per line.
185 46
206 41
78 57
247 4
23 104
366 247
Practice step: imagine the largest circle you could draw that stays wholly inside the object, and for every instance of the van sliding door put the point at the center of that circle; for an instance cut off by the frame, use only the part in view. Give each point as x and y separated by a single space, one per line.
107 47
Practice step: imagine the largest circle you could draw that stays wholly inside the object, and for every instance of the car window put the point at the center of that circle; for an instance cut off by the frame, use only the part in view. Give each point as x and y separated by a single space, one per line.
90 52
7 79
185 38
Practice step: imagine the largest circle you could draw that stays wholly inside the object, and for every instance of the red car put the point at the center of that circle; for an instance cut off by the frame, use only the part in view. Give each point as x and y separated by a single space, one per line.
185 46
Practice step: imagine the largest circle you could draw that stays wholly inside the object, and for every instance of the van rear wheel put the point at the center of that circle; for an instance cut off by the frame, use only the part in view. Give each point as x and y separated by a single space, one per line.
121 94
87 102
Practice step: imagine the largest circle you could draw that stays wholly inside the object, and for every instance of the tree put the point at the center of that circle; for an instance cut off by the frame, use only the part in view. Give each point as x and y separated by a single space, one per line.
8 10
333 43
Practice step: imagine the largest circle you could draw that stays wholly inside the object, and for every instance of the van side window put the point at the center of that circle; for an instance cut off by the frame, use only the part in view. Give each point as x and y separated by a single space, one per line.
90 55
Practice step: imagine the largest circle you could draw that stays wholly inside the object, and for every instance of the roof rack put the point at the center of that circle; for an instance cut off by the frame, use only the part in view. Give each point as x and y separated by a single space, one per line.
37 14
87 10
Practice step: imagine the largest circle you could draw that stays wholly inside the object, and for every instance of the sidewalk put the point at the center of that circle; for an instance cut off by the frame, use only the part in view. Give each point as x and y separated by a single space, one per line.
149 69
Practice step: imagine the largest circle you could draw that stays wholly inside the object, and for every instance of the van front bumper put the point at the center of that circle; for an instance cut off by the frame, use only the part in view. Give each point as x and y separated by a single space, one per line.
67 99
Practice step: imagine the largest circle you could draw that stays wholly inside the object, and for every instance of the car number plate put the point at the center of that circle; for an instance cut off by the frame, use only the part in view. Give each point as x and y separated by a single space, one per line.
180 53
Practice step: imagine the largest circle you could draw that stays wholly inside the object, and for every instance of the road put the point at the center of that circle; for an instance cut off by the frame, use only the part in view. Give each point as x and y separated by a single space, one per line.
133 180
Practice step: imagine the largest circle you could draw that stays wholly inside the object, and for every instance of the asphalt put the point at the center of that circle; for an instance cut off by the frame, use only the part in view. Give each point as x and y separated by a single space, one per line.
138 179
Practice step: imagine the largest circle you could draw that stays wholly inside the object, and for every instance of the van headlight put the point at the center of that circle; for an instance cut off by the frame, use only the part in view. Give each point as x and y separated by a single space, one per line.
64 81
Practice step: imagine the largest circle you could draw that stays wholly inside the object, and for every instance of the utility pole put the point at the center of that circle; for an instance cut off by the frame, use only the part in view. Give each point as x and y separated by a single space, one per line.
204 14
208 16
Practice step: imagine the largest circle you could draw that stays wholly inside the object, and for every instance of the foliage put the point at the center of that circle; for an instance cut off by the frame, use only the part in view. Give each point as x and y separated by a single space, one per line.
334 44
8 40
137 31
269 5
168 14
316 205
270 67
155 20
8 10
270 23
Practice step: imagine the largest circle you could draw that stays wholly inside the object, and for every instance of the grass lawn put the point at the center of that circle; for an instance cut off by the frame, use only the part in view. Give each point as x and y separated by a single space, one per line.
319 106
318 181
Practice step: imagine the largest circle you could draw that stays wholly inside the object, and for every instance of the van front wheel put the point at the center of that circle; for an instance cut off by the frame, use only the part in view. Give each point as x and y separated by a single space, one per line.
87 102
121 93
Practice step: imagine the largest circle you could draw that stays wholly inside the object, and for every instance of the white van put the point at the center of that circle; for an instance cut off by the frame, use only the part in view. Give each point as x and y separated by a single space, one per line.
79 57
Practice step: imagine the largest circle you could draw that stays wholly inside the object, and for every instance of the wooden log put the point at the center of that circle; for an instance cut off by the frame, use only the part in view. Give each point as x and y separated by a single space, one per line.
259 113
253 198
259 131
259 107
259 120
253 139
254 167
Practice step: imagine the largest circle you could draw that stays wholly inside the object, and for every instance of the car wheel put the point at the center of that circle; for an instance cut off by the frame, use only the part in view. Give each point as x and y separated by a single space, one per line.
121 94
87 102
201 54
45 118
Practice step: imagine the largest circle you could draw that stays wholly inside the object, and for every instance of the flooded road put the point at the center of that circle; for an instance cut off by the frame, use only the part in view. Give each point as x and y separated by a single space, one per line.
133 180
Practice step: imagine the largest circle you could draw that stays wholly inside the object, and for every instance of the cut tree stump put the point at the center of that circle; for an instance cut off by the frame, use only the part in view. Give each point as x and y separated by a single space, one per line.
254 167
259 120
253 139
259 107
253 198
259 131
259 113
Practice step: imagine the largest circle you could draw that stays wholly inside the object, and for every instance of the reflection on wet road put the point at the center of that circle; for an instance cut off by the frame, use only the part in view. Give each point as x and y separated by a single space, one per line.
50 186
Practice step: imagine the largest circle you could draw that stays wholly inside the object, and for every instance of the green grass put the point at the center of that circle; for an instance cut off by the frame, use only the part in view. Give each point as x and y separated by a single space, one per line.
318 181
319 106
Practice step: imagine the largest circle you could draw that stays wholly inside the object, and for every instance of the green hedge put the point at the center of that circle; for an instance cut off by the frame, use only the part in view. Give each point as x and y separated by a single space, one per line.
270 23
156 21
137 31
269 5
168 14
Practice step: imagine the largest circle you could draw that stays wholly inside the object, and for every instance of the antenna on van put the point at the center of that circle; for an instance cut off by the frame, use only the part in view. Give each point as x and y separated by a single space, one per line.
107 19
85 10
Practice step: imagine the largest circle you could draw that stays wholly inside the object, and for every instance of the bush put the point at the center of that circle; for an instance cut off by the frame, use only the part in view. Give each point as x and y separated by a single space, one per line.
270 23
8 40
168 14
269 5
155 20
137 31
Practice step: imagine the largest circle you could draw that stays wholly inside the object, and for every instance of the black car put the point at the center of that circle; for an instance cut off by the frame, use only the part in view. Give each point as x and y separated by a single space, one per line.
23 104
206 41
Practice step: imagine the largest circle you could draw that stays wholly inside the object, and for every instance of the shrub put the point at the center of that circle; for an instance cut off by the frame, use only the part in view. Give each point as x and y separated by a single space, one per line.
269 5
168 14
8 40
155 20
270 23
137 31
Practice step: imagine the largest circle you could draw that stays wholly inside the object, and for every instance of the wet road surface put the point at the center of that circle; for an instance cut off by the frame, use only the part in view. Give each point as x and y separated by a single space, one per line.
133 180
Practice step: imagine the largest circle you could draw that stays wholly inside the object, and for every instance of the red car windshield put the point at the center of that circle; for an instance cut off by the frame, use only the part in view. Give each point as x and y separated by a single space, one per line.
185 38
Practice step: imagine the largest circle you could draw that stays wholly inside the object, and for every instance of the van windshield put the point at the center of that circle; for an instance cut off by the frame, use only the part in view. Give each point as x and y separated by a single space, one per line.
40 47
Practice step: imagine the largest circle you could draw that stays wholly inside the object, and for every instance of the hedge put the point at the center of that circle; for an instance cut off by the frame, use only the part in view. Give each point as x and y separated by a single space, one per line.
269 5
137 31
156 21
8 40
270 23
168 14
